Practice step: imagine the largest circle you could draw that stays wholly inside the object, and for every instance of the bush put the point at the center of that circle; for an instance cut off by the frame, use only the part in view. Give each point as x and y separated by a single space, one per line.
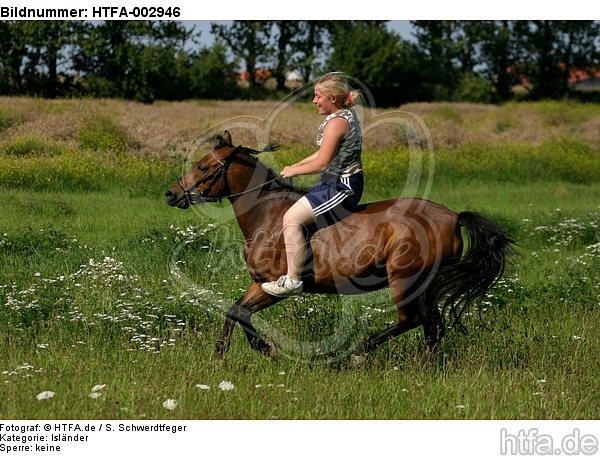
31 147
101 134
474 89
567 112
7 119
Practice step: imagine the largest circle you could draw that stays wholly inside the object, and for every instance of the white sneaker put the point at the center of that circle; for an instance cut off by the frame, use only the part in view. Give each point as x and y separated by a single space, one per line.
283 287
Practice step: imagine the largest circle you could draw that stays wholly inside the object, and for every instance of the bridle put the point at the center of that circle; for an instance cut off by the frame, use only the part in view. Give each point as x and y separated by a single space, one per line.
219 174
200 196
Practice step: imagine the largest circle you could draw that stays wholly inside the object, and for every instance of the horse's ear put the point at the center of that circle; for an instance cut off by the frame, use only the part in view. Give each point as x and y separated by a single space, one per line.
224 141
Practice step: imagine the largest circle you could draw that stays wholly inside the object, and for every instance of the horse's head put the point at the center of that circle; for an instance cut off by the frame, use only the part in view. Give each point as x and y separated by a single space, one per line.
211 179
206 180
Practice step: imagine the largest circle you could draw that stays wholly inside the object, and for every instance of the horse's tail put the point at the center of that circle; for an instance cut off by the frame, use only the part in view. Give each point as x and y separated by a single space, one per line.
457 284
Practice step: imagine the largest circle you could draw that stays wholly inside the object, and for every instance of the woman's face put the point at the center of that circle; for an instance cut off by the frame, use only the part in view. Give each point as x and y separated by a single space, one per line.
325 105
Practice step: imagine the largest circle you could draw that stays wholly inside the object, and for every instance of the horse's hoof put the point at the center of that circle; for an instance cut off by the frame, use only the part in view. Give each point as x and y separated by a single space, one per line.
426 357
273 352
219 352
218 355
358 360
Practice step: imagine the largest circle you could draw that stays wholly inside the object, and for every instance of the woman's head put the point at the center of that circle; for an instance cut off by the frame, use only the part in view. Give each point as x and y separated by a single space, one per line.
336 89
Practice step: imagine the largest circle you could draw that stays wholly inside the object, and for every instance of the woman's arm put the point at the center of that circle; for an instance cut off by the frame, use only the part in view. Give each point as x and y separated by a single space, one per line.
307 159
318 162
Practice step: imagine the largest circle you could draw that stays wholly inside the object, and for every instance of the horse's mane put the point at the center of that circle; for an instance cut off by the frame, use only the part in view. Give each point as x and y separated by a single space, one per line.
280 182
271 147
222 143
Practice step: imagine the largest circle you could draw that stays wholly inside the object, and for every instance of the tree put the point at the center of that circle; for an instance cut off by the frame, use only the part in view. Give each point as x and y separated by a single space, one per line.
212 74
501 53
134 60
105 57
436 43
248 41
466 38
285 34
553 49
50 39
12 55
542 67
378 58
31 54
308 46
297 45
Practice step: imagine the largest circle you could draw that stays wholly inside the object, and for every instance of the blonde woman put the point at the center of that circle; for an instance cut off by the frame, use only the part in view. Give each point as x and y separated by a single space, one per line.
339 162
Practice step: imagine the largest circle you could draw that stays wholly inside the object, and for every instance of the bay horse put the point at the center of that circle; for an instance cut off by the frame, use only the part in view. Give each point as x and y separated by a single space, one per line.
411 245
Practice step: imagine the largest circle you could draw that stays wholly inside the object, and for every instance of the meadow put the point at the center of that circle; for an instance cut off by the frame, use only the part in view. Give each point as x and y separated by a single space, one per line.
111 301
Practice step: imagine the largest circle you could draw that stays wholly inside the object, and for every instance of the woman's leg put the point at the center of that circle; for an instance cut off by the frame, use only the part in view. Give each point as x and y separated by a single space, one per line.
295 219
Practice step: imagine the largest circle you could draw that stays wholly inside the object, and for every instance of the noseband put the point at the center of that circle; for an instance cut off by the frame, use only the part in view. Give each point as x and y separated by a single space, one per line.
218 174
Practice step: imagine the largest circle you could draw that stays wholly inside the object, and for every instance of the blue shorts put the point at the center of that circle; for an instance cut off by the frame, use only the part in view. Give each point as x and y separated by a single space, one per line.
335 192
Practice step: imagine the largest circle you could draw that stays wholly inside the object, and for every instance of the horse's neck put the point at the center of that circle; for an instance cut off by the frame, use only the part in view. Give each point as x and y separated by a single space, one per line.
262 208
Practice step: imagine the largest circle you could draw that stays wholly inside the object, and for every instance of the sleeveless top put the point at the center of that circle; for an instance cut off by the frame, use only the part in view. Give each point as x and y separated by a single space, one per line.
347 160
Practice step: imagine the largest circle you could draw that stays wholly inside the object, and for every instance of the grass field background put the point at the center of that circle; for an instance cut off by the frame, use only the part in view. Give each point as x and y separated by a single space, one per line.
113 301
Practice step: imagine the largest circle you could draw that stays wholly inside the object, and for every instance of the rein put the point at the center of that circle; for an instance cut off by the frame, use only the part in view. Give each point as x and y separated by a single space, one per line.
250 190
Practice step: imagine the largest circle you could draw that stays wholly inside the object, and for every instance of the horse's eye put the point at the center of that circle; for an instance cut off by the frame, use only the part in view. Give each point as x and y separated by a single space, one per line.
201 168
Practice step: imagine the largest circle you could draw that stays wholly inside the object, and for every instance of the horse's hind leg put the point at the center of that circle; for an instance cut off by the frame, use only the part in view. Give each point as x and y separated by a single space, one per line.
433 326
253 300
408 318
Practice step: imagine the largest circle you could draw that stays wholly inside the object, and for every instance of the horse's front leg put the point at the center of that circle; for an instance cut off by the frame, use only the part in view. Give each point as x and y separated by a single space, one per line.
253 300
223 343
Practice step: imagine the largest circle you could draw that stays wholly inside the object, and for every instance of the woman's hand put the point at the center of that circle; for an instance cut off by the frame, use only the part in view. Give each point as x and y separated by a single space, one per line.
288 172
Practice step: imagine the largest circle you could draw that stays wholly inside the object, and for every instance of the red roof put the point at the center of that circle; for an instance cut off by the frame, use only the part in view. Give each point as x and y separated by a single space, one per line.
577 75
260 74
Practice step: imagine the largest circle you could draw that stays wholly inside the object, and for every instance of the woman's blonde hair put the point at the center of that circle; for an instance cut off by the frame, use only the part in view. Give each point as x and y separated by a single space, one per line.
335 85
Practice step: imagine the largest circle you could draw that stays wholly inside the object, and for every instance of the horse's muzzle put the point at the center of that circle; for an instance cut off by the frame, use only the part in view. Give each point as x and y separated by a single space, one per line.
174 200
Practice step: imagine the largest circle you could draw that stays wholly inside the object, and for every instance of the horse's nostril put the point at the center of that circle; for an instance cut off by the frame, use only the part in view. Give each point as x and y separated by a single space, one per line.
171 197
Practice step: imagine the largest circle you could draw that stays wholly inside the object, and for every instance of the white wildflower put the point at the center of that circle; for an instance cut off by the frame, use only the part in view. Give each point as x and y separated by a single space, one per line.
170 404
45 395
226 386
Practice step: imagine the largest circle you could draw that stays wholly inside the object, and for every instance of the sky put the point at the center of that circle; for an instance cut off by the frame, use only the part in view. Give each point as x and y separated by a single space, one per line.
403 28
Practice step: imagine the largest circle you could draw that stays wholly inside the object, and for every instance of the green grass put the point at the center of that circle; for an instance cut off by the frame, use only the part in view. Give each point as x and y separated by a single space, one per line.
101 283
127 322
